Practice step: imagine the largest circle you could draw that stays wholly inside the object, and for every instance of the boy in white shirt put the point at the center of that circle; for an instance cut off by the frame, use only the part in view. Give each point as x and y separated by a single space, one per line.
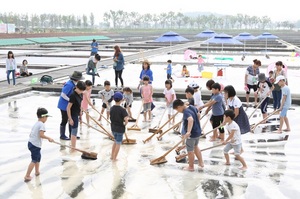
233 140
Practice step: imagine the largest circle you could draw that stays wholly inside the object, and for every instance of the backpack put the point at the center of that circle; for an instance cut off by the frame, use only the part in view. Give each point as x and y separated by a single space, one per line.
46 79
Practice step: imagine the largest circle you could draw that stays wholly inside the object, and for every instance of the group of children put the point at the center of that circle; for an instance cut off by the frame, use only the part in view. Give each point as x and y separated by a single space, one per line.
79 100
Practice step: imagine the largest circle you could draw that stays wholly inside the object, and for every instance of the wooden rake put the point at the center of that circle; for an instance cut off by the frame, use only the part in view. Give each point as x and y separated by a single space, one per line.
181 156
135 127
256 108
262 121
149 138
106 132
154 129
85 154
173 127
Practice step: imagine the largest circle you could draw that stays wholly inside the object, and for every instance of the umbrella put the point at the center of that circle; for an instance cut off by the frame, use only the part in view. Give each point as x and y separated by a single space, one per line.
170 37
267 36
206 34
243 37
272 67
222 39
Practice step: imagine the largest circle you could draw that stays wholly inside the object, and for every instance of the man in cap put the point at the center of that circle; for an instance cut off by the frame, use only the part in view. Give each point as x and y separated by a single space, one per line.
64 100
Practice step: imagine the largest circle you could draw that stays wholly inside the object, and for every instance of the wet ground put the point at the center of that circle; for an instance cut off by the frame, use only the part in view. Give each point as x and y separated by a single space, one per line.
273 168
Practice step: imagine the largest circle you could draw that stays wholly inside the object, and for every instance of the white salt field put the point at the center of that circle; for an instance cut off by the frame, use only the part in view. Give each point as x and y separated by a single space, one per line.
273 168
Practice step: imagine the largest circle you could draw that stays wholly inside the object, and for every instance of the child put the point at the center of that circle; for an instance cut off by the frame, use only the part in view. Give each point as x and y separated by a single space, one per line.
107 96
233 140
35 143
170 96
119 119
209 83
216 103
91 68
86 99
270 78
192 132
197 95
147 92
24 69
185 72
264 89
189 94
169 70
200 63
286 102
128 97
74 110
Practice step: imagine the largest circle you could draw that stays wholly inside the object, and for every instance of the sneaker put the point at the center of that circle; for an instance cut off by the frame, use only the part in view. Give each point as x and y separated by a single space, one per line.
98 75
78 138
64 138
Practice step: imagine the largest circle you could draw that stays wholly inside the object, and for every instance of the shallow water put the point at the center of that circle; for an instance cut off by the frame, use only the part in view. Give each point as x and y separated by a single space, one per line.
273 170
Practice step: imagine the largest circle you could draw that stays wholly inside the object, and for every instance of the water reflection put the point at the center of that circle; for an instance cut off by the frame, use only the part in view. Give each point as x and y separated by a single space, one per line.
35 186
13 110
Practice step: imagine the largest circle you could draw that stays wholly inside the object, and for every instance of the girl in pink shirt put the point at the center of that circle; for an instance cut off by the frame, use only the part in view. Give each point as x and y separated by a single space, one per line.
86 100
147 92
170 96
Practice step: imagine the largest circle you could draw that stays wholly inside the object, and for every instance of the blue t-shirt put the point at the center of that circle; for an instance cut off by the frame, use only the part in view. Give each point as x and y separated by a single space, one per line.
217 108
68 90
94 46
286 91
147 73
191 111
169 69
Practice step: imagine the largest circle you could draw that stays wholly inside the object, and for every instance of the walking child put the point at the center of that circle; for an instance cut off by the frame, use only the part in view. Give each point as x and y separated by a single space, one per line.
119 120
169 70
128 97
107 96
35 143
86 99
170 96
147 92
285 104
216 103
74 110
192 132
264 90
233 140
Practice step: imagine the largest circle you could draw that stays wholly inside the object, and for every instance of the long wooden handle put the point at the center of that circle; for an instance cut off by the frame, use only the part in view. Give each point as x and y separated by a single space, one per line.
212 130
82 151
256 107
274 112
149 138
162 116
176 145
184 155
139 113
102 115
162 134
96 129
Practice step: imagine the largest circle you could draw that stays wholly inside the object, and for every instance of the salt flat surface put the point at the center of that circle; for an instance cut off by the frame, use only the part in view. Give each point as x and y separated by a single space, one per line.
273 169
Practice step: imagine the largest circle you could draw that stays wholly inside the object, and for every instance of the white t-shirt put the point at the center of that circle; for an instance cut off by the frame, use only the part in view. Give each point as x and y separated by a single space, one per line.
34 136
264 88
197 99
169 93
236 139
106 94
235 102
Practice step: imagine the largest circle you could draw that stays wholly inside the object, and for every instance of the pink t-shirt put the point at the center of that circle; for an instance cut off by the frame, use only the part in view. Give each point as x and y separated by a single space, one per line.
169 93
200 60
147 93
84 102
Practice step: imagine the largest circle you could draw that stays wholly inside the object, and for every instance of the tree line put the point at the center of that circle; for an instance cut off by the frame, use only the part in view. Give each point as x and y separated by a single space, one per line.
133 20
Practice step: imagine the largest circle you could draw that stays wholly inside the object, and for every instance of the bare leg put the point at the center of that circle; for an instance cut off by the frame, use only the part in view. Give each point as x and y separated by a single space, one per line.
145 114
129 112
244 167
199 156
100 117
191 157
247 99
113 151
149 115
286 120
87 119
222 136
116 151
73 142
37 169
29 170
227 159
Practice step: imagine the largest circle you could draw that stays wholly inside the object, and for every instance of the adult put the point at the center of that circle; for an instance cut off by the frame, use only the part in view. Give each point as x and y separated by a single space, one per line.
64 100
251 76
24 69
235 104
118 66
146 71
94 47
91 68
277 93
11 67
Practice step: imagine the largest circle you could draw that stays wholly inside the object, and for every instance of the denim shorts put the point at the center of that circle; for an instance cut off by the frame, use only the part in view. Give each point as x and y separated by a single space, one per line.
35 153
236 148
283 112
147 106
118 137
191 143
74 128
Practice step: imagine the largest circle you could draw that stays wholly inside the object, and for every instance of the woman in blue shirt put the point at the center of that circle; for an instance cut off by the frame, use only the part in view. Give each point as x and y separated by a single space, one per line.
118 66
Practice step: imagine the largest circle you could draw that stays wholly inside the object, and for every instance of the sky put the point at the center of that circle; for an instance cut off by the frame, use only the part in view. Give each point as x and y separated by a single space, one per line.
277 10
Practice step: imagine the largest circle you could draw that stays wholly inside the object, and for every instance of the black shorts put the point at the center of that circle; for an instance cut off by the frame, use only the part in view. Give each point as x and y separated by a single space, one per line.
105 106
254 87
125 105
216 121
